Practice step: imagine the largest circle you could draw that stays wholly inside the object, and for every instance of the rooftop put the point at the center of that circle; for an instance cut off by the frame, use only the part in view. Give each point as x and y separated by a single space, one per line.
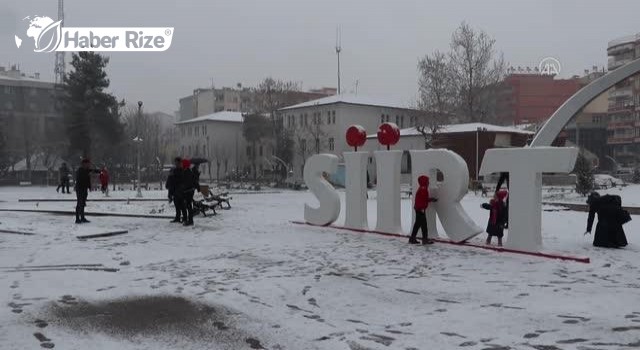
350 99
232 117
624 40
462 128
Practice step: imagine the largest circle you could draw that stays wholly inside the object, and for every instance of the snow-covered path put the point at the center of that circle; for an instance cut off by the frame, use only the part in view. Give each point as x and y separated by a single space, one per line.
268 283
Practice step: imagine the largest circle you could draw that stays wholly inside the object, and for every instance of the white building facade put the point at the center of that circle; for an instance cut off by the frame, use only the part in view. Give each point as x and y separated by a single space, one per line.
320 126
218 138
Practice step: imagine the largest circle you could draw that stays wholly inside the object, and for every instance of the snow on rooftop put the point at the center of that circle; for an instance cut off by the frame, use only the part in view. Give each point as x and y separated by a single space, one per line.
225 116
467 127
351 99
624 40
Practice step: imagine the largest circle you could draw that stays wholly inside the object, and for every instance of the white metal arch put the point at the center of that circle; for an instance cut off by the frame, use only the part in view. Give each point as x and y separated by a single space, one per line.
573 105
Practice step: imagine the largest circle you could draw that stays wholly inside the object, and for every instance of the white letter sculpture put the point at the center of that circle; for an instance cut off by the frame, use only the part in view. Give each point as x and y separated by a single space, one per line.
355 164
525 167
457 225
388 191
327 196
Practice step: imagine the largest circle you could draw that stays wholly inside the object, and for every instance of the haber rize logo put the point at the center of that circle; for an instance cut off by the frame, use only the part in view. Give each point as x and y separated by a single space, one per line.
49 35
45 32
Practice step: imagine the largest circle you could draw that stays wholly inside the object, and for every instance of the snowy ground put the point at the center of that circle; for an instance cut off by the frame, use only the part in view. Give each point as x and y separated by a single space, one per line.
630 193
248 279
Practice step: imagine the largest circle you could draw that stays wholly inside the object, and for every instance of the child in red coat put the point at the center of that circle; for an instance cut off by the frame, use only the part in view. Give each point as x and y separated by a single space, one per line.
104 181
421 204
497 216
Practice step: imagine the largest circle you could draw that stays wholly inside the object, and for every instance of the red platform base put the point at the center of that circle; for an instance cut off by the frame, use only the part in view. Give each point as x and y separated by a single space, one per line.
585 260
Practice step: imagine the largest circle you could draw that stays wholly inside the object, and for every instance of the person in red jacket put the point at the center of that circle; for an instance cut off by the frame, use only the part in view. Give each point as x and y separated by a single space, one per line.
104 181
421 204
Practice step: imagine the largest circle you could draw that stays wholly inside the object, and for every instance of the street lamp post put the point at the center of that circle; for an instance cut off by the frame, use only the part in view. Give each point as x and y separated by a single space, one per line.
477 155
138 140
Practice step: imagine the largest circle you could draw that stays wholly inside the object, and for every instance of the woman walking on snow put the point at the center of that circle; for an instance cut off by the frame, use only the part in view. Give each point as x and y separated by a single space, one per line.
611 217
420 206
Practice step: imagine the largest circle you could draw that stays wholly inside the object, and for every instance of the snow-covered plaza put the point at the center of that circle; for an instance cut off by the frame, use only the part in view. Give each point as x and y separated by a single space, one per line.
250 279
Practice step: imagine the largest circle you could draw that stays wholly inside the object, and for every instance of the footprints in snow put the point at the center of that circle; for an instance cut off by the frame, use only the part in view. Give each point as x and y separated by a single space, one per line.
44 341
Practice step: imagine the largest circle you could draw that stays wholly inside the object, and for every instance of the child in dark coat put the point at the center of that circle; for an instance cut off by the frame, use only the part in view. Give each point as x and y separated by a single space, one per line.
497 216
420 206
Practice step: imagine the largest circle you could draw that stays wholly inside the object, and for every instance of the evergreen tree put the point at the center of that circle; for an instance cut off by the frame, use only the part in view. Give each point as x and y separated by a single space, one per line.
92 116
585 179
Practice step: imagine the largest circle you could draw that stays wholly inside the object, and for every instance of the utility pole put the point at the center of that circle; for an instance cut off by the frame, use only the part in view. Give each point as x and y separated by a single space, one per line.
338 49
213 96
59 67
138 140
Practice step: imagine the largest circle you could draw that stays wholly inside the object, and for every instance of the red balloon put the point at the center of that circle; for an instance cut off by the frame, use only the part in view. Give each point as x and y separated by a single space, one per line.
388 134
356 136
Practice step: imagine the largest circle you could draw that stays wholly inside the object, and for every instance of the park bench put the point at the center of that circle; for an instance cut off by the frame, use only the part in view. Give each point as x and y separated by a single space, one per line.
211 202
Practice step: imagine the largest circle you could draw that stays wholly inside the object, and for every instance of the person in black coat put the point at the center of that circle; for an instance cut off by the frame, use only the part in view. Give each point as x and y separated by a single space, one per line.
188 186
174 179
83 184
609 231
64 178
504 178
497 216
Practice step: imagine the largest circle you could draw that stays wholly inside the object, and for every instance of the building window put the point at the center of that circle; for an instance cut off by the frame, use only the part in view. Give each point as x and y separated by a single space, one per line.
397 120
382 119
334 119
405 165
328 119
331 144
401 121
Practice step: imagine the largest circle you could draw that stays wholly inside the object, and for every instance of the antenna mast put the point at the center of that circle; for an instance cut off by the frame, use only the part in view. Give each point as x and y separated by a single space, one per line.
338 49
213 95
59 67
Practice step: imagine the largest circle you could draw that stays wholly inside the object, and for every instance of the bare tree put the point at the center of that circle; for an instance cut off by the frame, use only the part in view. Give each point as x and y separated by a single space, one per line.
316 134
437 95
270 96
221 155
148 129
477 69
302 146
5 157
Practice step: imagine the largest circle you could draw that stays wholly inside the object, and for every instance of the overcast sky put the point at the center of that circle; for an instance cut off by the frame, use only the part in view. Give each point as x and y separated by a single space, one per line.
233 41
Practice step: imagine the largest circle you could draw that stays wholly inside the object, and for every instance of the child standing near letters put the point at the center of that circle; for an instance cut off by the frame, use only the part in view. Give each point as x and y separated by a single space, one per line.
420 206
497 216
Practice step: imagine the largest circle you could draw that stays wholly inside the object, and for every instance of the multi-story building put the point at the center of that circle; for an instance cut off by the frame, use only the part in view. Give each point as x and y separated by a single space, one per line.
624 103
588 129
207 101
319 126
29 120
217 137
528 96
